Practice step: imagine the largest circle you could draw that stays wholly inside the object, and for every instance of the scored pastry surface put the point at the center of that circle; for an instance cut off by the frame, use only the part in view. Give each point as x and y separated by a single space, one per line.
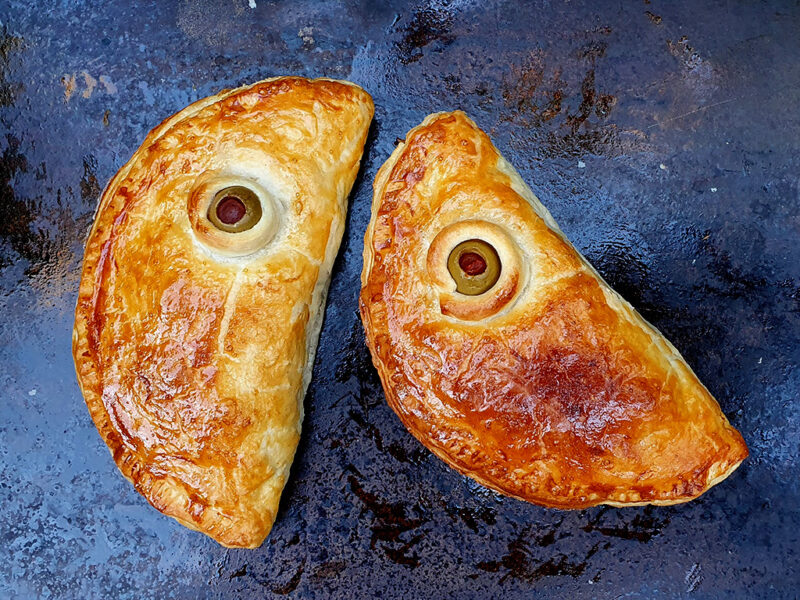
547 386
202 294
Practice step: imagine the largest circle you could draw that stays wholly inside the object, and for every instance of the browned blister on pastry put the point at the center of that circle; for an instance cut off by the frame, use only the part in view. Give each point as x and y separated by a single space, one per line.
540 382
203 289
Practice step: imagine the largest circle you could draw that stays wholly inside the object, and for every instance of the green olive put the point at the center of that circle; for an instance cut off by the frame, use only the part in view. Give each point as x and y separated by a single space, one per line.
235 209
475 267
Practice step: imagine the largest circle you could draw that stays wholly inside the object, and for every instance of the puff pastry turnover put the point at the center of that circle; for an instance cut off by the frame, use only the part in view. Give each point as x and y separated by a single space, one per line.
505 353
203 289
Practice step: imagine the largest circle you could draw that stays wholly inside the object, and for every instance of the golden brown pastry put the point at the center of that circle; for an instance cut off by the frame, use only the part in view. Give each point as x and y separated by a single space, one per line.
505 353
203 290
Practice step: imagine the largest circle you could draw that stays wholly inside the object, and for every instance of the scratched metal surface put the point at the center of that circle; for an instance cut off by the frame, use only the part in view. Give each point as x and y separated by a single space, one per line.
663 136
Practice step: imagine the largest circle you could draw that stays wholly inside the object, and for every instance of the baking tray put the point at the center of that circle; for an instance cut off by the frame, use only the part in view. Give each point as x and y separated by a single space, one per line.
663 136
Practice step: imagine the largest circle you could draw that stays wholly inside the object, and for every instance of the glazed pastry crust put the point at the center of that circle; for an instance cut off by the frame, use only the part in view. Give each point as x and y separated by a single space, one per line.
194 363
563 395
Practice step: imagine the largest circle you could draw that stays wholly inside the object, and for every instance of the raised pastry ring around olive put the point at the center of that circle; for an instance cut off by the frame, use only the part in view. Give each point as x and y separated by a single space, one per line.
232 215
476 267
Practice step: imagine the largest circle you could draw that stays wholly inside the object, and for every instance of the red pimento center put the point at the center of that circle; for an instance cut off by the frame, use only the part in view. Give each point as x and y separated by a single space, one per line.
472 263
231 210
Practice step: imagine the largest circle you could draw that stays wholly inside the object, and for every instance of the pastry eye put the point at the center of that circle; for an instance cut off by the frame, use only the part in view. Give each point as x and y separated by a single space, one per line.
235 209
233 215
476 269
474 266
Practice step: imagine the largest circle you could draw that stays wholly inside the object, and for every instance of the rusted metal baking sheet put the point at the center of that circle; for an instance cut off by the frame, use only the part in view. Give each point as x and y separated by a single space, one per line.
663 136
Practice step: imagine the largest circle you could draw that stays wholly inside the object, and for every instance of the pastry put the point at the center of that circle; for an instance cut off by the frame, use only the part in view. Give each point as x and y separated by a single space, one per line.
506 354
203 289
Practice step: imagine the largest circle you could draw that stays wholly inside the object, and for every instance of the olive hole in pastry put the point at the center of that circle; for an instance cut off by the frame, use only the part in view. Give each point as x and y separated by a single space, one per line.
235 209
232 215
475 267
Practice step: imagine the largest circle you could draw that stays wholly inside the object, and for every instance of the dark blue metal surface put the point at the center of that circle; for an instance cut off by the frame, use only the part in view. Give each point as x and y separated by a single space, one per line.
663 136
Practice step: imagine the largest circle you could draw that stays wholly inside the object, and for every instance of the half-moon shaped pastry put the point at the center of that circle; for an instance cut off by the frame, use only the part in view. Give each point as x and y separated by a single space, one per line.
203 291
505 353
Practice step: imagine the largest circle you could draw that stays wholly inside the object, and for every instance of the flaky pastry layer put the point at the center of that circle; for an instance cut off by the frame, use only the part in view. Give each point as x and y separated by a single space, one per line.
194 363
563 395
